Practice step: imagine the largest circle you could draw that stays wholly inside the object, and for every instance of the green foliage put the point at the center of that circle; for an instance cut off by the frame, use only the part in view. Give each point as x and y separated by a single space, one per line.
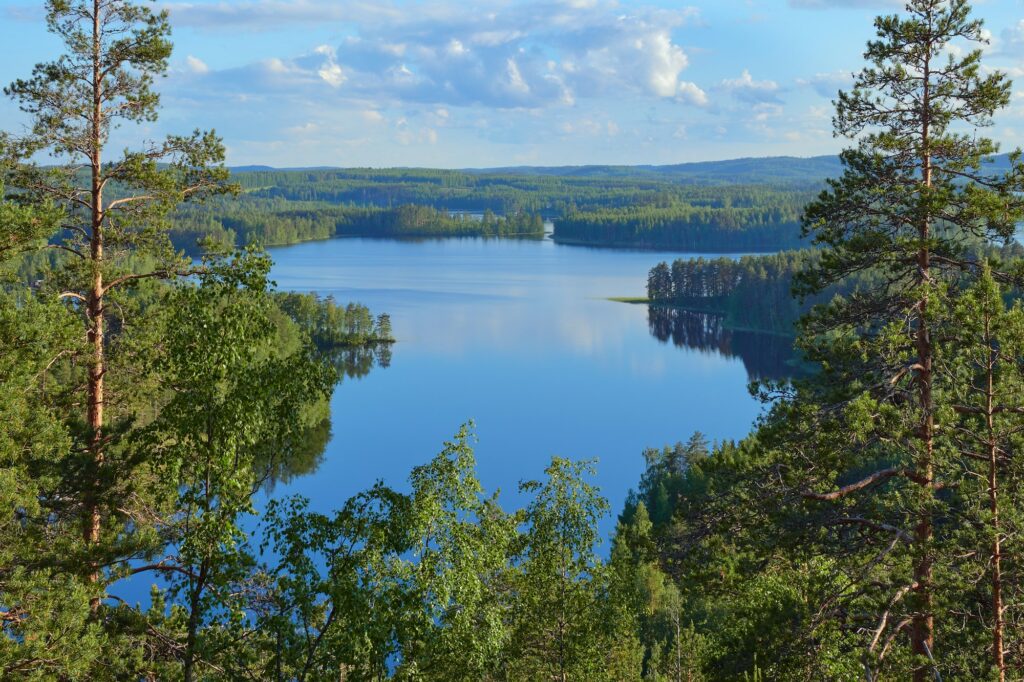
879 502
716 219
39 598
548 191
441 584
713 601
233 412
275 221
726 286
282 207
107 217
867 457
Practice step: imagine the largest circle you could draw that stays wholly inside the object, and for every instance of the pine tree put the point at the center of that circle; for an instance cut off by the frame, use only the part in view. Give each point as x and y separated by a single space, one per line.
865 439
659 283
383 330
113 230
985 347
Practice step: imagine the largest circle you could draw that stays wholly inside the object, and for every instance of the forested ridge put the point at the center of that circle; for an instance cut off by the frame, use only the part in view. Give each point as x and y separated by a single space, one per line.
548 192
870 526
283 207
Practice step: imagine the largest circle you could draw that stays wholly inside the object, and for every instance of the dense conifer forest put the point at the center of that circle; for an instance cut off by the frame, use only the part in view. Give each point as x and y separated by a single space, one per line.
274 222
726 286
868 528
284 207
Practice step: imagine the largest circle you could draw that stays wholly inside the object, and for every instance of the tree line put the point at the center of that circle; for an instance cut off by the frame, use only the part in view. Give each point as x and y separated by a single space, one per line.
729 287
331 325
276 222
543 191
770 223
757 292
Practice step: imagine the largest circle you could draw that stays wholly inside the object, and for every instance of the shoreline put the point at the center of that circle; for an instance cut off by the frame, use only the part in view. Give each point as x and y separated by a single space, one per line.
655 248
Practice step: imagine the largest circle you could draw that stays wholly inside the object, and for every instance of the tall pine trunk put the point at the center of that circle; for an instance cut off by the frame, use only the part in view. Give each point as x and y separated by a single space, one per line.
923 628
912 195
115 49
998 659
94 305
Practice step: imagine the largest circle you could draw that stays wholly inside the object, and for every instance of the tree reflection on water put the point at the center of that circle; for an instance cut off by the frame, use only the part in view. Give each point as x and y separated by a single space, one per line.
765 356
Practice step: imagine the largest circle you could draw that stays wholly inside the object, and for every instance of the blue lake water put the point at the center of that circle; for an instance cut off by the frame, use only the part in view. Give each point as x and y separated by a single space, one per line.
517 336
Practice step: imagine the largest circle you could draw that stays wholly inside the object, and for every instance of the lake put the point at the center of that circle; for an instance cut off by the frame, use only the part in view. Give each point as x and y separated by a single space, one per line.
517 336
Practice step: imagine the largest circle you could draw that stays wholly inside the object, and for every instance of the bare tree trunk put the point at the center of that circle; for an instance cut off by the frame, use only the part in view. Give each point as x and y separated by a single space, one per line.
923 626
94 308
993 496
679 653
188 673
997 577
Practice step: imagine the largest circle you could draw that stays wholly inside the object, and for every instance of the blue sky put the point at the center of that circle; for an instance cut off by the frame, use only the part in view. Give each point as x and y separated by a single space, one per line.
475 83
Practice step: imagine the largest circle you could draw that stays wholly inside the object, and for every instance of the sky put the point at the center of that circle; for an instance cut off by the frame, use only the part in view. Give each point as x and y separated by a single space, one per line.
486 83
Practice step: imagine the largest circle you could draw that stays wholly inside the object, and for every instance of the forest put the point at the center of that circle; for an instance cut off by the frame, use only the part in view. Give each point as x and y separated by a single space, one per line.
726 286
869 527
548 191
767 221
284 207
238 221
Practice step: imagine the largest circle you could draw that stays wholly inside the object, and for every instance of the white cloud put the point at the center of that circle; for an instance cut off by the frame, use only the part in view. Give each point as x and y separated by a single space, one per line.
446 53
819 113
846 4
515 78
408 135
590 127
267 15
456 48
665 62
690 93
196 65
329 70
332 75
747 89
305 129
766 110
495 38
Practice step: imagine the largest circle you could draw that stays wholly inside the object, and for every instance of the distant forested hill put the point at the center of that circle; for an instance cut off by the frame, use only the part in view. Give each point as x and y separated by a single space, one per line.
769 170
690 206
551 194
737 205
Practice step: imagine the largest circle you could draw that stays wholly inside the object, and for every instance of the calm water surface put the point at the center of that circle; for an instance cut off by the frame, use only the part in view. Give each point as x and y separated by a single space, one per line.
517 336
